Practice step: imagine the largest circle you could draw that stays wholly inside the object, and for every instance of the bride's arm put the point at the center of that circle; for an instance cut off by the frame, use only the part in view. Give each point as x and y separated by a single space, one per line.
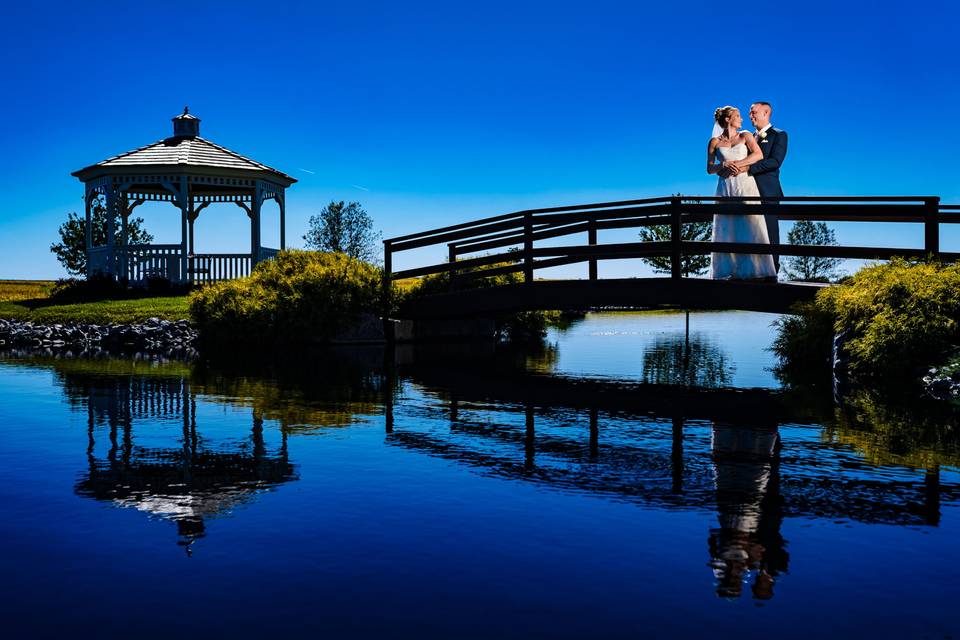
712 165
755 154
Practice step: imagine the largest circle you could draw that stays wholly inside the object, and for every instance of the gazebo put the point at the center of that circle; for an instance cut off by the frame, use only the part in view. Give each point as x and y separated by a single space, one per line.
191 173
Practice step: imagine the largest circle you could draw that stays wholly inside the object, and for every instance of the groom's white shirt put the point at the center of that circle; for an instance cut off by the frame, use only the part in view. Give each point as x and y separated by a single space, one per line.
763 130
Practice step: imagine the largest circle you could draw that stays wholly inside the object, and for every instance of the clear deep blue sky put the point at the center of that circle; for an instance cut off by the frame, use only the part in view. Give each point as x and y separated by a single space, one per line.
438 113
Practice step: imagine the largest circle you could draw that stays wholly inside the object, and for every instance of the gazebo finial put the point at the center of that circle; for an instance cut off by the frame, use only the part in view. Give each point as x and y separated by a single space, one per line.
186 110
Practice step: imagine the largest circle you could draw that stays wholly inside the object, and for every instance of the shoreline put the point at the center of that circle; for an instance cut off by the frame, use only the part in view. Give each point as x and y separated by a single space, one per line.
152 335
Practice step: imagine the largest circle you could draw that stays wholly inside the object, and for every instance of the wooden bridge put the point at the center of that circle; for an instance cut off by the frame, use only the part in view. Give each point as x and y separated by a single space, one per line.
517 243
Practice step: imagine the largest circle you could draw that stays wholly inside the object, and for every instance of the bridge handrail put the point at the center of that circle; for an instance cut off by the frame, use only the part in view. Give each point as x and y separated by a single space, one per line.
522 228
520 214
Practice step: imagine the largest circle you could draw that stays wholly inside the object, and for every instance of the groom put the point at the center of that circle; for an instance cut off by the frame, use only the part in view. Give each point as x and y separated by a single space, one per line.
773 145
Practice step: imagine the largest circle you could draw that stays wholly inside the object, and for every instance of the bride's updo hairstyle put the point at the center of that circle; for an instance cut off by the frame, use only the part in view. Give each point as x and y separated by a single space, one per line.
722 115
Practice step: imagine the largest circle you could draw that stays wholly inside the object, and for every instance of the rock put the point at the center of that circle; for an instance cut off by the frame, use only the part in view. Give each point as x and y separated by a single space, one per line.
152 336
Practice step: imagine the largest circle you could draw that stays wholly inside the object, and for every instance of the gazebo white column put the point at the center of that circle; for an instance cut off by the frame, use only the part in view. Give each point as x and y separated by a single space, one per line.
124 234
282 201
88 226
255 224
186 208
111 231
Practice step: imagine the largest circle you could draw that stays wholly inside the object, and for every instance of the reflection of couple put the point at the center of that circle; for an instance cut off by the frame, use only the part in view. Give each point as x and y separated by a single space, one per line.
747 547
748 164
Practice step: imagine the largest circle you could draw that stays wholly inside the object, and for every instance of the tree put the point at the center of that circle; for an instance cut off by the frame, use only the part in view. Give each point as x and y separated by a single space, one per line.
809 268
345 229
692 231
71 251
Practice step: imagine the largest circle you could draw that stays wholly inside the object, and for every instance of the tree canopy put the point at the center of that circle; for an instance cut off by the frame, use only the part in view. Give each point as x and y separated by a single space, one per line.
689 265
71 251
343 228
808 268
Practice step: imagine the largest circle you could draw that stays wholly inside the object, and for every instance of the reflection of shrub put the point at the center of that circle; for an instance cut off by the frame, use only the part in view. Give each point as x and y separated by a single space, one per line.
518 326
895 318
887 430
804 345
297 296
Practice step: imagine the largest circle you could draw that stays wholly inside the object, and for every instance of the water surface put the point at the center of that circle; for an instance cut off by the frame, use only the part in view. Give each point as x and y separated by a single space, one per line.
471 493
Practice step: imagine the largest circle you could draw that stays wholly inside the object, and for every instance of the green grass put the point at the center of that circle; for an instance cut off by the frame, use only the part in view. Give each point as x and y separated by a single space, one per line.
40 310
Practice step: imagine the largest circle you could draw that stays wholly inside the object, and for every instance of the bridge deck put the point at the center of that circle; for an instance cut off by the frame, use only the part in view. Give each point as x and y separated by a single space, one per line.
631 293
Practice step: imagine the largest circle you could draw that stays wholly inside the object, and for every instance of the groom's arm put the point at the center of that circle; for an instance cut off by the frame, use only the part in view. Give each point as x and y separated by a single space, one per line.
775 158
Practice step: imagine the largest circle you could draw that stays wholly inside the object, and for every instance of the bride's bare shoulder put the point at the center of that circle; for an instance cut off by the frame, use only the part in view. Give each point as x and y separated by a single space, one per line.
746 135
713 142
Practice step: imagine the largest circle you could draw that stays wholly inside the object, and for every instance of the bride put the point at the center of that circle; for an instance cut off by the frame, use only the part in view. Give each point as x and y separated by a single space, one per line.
730 154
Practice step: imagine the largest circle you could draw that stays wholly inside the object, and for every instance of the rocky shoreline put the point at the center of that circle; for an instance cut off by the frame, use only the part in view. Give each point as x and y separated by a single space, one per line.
152 336
943 383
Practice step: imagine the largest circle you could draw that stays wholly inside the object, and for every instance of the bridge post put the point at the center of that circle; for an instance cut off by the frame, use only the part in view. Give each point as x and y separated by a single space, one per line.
676 271
386 285
452 259
592 241
931 227
527 248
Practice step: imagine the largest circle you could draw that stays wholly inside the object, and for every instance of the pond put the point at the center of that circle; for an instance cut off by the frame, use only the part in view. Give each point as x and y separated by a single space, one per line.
623 480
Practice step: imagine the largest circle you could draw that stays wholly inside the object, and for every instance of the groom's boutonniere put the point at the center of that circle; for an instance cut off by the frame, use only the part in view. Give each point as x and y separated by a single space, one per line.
763 135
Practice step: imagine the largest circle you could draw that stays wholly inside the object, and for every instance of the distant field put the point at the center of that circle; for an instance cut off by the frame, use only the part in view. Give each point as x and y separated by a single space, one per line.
29 300
24 289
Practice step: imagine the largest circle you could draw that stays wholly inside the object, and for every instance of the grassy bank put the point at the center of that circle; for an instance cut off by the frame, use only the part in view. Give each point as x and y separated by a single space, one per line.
30 300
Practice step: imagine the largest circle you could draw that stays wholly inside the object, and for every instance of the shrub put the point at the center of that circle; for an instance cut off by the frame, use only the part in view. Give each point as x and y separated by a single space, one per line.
299 296
96 287
896 319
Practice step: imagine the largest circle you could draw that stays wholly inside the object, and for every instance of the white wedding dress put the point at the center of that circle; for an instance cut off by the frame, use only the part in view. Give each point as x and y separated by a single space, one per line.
739 228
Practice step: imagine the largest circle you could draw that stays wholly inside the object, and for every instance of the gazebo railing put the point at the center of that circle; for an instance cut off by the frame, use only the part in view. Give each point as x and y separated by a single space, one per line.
146 261
205 268
143 262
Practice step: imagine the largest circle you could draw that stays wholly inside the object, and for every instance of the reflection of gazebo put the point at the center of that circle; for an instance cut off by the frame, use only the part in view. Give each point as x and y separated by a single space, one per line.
191 173
188 483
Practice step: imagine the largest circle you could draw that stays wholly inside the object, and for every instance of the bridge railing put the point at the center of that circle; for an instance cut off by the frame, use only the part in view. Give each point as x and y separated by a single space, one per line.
510 241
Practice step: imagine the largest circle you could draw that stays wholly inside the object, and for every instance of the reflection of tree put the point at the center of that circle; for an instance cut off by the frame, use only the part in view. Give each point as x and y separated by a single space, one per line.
747 546
694 363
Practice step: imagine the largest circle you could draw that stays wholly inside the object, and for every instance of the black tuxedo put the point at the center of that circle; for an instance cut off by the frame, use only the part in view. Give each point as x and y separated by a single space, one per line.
767 174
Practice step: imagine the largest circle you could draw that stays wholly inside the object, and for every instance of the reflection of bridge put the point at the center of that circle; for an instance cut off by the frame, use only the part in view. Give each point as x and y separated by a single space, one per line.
724 451
513 407
524 242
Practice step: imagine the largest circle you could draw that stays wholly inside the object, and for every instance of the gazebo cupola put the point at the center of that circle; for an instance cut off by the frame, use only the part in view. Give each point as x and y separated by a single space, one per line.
186 125
191 173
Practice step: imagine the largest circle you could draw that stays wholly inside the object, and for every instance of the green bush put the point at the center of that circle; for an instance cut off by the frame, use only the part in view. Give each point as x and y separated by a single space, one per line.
298 296
896 319
804 345
519 326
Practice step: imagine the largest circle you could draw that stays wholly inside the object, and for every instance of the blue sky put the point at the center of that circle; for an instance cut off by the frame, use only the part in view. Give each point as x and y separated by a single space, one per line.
438 113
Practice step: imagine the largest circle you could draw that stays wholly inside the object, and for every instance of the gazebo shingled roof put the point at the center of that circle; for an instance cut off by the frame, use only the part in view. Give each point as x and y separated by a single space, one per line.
191 173
182 150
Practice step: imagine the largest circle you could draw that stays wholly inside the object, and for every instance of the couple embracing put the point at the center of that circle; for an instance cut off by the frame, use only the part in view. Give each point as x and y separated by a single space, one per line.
748 164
